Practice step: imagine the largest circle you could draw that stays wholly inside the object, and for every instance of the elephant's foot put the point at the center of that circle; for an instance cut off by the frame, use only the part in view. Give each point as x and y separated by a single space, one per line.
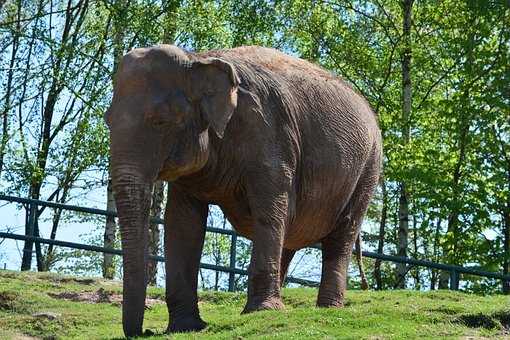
186 324
272 303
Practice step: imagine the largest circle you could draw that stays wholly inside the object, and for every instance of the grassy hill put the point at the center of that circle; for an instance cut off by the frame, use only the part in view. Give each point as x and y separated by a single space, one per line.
50 306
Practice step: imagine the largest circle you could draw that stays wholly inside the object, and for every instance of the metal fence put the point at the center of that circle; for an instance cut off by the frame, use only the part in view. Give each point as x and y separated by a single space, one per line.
32 204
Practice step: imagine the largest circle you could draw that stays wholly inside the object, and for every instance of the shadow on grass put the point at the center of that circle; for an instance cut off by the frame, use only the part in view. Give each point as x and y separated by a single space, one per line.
497 320
149 333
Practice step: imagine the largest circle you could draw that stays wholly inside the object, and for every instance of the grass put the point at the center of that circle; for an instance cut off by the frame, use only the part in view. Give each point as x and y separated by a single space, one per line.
33 306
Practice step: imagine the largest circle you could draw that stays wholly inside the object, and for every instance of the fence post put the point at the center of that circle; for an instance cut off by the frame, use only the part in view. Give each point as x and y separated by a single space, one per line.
232 266
26 263
505 285
454 280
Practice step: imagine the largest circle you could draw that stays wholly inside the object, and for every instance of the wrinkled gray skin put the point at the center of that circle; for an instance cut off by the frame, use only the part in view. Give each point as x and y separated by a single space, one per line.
289 152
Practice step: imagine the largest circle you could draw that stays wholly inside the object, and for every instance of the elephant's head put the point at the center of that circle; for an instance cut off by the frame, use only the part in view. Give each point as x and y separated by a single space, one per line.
166 104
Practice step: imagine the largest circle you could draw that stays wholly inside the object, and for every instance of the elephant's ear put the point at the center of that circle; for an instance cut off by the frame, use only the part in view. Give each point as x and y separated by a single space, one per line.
214 83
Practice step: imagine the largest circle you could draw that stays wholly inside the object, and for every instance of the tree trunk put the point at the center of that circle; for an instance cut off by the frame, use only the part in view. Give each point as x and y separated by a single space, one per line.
217 261
26 262
435 249
450 248
506 247
49 258
403 210
158 197
403 236
73 168
60 67
506 232
110 228
382 230
8 88
415 254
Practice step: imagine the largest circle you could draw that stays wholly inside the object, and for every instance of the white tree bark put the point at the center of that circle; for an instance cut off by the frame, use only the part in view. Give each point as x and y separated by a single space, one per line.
158 196
109 233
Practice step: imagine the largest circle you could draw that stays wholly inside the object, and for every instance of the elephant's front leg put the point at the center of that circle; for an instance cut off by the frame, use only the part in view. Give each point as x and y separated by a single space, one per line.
185 220
270 214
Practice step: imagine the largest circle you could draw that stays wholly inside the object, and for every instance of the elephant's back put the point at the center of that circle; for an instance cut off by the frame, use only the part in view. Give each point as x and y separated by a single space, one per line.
331 128
306 90
309 99
272 62
335 132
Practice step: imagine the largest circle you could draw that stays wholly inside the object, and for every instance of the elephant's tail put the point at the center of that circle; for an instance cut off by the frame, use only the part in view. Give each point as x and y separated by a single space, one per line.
359 258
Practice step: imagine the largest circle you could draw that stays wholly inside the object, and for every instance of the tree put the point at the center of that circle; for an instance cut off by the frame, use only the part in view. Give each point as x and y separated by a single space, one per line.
436 74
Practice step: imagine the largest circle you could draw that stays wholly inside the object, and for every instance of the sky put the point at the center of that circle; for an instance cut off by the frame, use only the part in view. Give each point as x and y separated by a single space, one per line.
12 218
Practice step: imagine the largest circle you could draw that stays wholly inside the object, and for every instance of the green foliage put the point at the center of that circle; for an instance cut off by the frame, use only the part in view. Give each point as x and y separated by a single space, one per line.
456 163
86 263
216 251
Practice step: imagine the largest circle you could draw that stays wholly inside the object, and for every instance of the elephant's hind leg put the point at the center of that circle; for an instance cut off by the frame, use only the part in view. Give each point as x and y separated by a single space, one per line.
337 246
336 254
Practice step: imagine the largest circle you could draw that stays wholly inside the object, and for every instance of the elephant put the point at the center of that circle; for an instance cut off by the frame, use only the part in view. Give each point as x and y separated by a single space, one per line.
289 152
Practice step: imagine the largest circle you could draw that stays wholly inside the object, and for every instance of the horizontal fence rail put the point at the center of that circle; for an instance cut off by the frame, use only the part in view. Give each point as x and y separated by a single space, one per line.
87 247
454 270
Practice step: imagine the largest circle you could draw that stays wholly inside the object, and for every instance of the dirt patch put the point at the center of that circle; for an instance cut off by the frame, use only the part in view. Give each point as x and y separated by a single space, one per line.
47 315
58 279
8 274
23 337
87 282
7 300
99 296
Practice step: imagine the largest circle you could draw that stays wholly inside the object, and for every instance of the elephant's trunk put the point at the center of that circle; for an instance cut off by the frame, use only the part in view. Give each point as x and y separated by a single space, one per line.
133 197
